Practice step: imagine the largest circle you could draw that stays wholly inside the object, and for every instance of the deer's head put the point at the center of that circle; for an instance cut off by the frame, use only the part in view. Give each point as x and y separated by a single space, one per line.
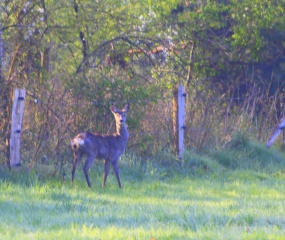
120 115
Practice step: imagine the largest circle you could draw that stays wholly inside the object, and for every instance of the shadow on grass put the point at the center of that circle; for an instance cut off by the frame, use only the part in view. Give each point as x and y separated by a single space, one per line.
157 195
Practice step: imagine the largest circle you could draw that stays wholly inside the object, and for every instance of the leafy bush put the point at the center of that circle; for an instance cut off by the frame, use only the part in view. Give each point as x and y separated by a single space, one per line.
245 153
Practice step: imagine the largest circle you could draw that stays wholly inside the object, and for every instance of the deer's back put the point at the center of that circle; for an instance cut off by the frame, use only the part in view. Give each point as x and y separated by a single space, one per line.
102 146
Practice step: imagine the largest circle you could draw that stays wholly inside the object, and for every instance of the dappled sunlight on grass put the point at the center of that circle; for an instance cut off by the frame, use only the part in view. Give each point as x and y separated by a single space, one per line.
229 204
141 210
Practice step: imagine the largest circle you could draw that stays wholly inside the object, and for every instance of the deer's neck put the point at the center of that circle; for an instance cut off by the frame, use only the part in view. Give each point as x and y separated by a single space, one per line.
122 131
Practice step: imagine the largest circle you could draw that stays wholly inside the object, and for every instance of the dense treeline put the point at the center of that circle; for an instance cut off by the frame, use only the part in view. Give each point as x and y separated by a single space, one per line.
76 57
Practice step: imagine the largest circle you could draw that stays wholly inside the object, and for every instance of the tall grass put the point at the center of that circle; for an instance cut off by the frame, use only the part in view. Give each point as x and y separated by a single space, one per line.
202 197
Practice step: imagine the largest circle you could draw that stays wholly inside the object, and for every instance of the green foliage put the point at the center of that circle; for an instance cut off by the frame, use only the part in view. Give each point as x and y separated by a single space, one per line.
252 18
77 57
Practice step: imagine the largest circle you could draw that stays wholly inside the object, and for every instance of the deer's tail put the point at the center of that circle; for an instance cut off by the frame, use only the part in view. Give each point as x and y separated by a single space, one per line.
77 142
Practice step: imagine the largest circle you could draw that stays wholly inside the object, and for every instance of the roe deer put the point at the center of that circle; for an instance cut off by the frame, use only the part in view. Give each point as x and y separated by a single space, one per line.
106 147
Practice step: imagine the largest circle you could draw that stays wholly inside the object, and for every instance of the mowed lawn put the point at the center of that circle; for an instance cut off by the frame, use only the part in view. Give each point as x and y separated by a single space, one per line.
236 204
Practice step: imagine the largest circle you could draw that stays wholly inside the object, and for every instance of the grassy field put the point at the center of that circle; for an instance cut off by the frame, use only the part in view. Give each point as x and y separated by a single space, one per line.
203 199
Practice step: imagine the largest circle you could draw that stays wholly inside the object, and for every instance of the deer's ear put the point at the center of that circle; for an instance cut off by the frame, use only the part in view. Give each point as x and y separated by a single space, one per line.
126 108
113 108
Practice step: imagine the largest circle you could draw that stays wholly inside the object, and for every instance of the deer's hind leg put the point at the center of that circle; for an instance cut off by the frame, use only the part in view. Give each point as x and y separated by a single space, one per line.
90 159
77 157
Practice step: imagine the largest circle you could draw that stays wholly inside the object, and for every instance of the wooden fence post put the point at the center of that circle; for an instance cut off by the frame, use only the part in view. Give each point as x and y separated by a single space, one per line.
178 120
16 126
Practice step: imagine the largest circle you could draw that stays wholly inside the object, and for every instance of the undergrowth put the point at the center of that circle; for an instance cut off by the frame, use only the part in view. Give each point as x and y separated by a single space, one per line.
241 153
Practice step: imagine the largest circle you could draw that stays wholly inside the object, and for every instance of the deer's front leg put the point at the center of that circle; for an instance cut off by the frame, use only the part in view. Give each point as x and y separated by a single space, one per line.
116 170
106 171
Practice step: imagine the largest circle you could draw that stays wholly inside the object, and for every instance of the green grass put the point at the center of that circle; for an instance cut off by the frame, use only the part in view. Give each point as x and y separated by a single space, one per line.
202 199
